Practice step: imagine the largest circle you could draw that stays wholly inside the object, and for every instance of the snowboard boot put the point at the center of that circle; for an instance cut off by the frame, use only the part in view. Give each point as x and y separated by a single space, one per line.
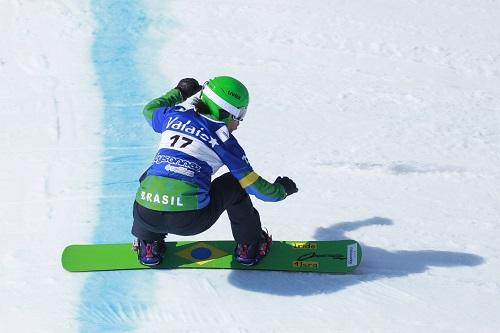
251 254
149 253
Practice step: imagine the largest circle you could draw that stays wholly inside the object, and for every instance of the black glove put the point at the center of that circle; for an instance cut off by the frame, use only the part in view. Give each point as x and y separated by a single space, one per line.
288 184
188 87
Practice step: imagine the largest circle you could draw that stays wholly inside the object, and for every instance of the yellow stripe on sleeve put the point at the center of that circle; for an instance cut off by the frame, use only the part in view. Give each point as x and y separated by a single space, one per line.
249 179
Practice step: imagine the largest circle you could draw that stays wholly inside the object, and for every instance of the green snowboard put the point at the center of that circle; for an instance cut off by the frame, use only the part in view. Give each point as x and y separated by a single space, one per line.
341 256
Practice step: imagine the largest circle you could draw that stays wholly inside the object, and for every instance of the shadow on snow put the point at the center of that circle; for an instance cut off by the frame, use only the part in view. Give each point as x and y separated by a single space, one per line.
376 264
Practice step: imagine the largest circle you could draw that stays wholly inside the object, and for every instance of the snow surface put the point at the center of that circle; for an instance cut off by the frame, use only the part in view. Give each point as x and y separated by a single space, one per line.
385 113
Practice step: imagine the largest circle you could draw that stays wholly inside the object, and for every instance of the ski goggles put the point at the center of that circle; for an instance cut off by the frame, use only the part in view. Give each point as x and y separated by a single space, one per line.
243 112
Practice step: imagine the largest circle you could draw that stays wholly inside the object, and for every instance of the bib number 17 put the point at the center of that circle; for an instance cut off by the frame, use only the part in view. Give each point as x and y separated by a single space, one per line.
184 142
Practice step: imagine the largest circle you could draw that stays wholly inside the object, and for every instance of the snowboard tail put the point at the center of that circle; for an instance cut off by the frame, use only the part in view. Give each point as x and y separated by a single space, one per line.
340 256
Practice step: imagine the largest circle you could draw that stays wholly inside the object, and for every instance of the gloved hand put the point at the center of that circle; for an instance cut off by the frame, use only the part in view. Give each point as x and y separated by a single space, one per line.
288 184
188 87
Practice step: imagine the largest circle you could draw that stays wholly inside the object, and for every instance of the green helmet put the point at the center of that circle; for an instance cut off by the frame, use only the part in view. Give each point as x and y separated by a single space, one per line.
226 93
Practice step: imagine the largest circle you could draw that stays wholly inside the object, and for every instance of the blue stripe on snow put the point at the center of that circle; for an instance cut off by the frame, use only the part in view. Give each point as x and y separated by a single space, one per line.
112 301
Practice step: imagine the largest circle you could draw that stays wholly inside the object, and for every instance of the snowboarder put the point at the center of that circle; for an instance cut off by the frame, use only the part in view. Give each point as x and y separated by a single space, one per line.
176 194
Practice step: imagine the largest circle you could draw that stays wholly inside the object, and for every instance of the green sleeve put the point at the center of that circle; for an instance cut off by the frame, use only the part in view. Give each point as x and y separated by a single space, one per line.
171 98
267 191
261 188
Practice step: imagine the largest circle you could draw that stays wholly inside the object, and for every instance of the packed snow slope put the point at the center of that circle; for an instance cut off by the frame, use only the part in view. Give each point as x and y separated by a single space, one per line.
386 113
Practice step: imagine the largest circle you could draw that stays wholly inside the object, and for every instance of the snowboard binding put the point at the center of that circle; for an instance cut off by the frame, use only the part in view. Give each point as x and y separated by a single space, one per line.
149 253
251 254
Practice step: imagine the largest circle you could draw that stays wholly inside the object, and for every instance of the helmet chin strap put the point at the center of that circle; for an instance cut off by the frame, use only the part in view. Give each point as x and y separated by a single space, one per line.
202 88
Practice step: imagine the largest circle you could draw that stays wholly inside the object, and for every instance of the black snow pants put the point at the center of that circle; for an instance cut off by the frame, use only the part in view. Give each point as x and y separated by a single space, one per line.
226 194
